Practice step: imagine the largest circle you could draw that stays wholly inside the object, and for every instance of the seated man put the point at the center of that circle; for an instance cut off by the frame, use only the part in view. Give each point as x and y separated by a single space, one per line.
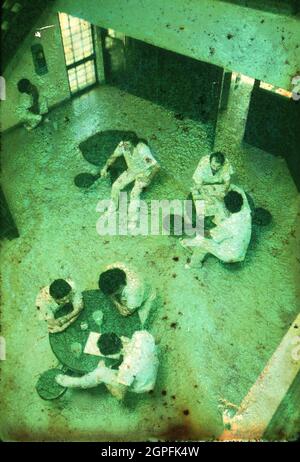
60 296
212 181
128 290
141 169
137 372
31 106
229 240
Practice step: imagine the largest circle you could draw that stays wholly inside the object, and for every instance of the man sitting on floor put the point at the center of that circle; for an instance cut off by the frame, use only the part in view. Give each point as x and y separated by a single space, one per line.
137 372
142 167
128 290
211 181
229 240
59 304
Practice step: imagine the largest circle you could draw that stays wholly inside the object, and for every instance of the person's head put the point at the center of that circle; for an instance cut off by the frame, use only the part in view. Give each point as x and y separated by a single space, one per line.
24 86
129 141
217 160
109 344
60 290
233 201
144 141
112 281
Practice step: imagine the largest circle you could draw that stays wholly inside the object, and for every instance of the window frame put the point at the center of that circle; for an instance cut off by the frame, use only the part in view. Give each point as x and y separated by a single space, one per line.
92 57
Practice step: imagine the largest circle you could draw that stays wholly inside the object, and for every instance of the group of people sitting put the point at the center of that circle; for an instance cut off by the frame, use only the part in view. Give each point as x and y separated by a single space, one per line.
228 207
129 293
228 239
225 203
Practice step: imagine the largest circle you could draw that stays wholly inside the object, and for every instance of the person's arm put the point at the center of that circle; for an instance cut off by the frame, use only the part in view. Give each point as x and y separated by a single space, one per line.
198 174
60 324
198 182
101 374
228 172
118 152
226 184
78 301
144 311
127 371
154 171
121 308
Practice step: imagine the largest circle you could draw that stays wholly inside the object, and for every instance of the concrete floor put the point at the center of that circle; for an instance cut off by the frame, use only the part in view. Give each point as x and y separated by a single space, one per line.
216 329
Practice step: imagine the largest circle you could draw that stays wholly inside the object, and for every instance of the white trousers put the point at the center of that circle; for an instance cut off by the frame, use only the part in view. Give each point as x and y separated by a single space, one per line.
140 182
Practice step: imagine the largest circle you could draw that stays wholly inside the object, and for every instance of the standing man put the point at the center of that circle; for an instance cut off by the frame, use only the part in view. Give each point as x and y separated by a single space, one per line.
31 106
128 290
211 181
142 167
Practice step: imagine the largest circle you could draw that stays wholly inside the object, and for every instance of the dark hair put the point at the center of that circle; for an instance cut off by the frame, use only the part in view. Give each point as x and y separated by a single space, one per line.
59 289
131 137
111 280
109 343
23 85
142 140
219 156
233 201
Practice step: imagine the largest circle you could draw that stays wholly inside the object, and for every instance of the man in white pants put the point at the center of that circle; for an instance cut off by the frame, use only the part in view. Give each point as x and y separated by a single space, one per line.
137 372
229 240
128 290
141 169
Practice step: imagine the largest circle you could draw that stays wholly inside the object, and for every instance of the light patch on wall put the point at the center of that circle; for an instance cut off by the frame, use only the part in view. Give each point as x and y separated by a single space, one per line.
279 91
2 349
2 89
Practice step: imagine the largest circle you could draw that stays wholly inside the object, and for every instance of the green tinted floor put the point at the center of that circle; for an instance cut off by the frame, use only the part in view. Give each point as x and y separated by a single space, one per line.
216 329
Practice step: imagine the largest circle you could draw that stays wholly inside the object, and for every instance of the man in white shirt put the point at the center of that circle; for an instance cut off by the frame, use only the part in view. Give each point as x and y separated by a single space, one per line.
32 106
137 372
229 240
60 295
141 169
211 181
128 290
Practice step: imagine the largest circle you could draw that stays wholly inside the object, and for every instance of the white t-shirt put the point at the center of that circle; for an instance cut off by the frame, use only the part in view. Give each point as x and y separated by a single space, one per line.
136 290
139 367
140 160
233 233
204 174
47 306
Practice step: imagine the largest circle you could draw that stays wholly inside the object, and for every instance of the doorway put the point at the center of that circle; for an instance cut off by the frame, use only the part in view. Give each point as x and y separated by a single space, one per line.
79 49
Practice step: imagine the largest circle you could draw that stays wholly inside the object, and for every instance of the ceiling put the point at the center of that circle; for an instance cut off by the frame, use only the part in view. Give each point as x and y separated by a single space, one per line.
17 19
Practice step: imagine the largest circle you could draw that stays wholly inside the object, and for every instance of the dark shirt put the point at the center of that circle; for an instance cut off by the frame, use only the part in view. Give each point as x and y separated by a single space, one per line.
35 108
